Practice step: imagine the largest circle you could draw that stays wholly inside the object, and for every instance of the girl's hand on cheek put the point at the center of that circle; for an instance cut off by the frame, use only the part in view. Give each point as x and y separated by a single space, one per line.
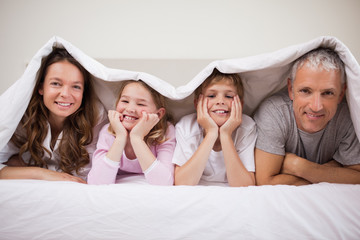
203 117
116 124
235 118
146 122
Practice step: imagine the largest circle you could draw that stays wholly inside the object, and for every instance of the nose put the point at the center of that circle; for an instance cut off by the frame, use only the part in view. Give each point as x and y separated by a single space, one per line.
130 108
220 100
316 104
65 91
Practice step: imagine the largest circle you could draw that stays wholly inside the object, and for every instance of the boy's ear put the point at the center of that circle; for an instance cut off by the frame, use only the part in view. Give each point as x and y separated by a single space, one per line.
195 103
161 112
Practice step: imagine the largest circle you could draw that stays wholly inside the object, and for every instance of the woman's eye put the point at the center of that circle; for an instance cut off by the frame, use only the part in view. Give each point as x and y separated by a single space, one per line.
78 87
54 83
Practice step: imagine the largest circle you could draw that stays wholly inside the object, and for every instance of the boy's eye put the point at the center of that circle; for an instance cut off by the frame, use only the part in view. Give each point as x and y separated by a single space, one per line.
229 96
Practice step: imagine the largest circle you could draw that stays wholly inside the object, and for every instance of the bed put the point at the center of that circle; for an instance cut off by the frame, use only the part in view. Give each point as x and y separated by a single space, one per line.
33 209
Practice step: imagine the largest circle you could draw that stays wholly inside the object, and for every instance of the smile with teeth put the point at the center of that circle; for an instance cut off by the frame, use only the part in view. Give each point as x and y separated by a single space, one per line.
130 118
63 104
314 116
220 111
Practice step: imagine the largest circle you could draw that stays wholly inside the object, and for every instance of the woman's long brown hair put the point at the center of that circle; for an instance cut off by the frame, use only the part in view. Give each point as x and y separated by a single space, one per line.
77 130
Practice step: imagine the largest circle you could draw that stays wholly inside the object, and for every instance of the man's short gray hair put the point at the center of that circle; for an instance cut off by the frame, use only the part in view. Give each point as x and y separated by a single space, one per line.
324 58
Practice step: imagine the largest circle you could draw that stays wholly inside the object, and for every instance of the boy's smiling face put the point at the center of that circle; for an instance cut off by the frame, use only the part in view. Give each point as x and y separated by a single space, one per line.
220 96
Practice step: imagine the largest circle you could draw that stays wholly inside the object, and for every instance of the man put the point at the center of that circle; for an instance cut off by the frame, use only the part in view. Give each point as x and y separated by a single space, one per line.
305 134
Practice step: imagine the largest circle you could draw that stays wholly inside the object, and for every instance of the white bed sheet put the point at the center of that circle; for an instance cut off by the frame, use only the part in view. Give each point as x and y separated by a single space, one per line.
33 209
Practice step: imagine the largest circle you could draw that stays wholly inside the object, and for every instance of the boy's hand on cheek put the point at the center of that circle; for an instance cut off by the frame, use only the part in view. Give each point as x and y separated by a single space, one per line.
146 123
235 118
203 117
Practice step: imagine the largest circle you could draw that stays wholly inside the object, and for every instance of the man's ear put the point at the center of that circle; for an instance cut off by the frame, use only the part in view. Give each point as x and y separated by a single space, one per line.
161 112
290 89
342 94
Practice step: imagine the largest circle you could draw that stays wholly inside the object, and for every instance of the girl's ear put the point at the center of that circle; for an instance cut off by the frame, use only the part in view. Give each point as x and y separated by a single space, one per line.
161 112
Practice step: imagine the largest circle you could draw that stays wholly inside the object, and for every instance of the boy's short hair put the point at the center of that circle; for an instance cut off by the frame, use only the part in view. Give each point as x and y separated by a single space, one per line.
217 76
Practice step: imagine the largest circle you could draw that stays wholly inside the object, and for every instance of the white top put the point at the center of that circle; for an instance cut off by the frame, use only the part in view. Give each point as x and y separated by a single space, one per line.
53 162
189 135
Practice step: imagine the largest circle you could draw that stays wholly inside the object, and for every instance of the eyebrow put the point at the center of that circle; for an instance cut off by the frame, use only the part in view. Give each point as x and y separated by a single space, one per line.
137 99
60 80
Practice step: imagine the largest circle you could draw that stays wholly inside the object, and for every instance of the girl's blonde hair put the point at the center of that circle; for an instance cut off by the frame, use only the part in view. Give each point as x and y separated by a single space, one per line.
157 134
77 130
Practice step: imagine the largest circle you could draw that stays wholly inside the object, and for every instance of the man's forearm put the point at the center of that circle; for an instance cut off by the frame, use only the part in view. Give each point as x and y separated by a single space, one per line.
284 179
316 173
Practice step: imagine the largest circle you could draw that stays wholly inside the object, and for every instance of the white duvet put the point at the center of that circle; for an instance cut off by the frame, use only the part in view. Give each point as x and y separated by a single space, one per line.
31 209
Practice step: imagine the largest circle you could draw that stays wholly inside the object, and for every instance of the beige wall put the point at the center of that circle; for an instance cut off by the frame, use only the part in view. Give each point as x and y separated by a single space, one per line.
176 29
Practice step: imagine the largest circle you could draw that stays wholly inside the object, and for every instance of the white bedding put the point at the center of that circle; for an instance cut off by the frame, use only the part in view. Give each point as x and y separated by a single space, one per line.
32 209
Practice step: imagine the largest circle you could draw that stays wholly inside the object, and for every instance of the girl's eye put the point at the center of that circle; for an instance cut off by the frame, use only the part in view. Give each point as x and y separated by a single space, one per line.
124 101
211 96
142 105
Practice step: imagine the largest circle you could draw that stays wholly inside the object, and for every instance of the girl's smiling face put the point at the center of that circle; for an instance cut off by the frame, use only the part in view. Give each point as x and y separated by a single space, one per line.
134 99
220 96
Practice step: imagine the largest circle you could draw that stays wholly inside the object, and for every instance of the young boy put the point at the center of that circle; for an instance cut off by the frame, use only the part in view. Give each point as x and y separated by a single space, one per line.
216 144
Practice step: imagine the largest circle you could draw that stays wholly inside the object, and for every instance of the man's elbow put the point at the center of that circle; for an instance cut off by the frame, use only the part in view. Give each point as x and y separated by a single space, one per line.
263 180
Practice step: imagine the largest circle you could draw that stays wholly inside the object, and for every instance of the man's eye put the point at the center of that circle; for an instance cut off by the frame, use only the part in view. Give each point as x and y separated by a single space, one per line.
304 91
328 93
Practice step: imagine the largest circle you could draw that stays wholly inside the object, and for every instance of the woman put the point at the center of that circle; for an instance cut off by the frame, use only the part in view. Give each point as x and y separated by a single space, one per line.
50 142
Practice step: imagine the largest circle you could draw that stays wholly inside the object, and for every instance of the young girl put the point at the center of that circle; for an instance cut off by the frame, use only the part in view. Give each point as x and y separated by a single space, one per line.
217 143
139 138
50 142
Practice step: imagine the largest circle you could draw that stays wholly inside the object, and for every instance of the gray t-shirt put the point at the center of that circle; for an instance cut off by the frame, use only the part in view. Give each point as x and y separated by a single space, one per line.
278 133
